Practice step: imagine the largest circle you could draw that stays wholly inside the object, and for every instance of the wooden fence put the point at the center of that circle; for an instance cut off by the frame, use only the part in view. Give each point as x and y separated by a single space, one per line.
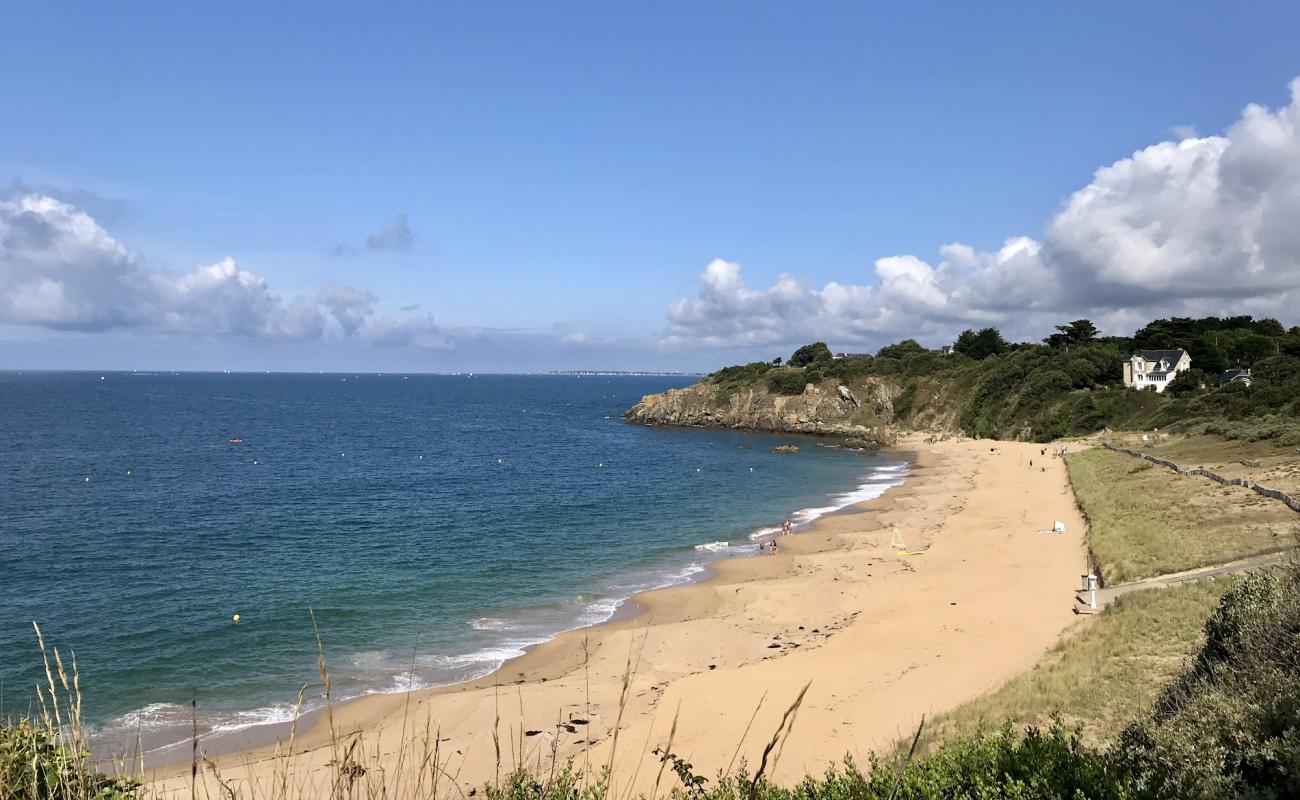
1275 494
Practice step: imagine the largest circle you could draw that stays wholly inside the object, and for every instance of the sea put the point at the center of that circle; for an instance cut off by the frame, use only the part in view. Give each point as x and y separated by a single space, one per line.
426 527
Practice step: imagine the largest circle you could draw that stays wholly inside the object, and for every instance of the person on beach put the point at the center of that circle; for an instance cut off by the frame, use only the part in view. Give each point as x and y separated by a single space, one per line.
774 547
785 528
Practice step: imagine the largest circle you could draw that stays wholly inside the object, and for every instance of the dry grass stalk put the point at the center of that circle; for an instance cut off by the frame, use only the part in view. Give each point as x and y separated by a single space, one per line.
745 734
628 672
668 748
586 680
496 728
898 779
787 721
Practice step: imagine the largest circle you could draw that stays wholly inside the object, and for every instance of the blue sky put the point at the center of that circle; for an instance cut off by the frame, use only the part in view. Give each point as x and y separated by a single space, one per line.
566 172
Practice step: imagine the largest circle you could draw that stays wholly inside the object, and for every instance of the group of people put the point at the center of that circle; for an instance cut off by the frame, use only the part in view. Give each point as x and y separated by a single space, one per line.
769 547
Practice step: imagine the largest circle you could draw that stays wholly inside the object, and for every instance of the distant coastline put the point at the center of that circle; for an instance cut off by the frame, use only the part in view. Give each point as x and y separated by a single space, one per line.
625 373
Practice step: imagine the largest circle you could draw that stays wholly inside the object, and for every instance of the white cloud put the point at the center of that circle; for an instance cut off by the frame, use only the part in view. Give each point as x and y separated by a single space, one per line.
60 269
1199 226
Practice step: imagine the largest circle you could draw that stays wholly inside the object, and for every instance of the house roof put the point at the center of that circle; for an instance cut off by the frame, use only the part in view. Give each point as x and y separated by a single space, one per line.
1233 374
1156 355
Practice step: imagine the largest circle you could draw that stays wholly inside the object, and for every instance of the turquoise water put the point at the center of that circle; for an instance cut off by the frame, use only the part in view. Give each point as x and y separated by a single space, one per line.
436 525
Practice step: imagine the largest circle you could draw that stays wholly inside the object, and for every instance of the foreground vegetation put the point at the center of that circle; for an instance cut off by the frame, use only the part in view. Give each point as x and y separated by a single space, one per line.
1227 725
1100 678
1069 385
1146 520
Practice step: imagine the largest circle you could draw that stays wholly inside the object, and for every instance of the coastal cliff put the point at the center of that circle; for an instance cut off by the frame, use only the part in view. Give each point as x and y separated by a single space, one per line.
865 412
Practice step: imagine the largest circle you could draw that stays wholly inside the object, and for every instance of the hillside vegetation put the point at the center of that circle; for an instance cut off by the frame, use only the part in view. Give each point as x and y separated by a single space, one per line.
1071 384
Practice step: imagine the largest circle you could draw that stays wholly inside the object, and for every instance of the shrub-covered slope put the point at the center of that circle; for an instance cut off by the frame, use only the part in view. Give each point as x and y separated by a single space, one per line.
983 386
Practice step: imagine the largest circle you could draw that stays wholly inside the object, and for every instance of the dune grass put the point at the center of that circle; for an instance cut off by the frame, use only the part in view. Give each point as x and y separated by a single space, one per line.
1146 520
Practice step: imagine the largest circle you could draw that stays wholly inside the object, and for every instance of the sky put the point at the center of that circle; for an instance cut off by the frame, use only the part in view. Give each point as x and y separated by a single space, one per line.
676 186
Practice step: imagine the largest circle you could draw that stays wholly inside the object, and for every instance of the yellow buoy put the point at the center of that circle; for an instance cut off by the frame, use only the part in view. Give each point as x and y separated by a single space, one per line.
235 618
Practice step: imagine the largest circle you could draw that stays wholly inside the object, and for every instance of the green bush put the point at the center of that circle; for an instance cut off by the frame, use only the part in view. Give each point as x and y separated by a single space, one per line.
1229 725
35 764
787 381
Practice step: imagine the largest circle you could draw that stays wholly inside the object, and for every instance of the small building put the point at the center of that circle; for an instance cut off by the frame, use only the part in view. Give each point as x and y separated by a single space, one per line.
853 356
1154 369
1235 376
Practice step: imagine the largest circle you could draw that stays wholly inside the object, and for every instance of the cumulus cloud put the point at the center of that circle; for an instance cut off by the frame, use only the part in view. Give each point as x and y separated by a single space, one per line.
60 269
396 237
1203 225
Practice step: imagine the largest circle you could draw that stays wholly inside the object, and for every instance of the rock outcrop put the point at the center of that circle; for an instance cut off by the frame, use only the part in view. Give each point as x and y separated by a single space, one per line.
828 409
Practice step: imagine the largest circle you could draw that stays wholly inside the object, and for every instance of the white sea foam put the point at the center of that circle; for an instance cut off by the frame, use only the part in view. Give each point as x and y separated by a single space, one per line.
599 611
495 655
154 715
712 547
490 624
267 715
873 485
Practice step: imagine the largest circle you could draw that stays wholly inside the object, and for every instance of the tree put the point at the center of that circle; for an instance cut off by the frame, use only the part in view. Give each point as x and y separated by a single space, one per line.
905 348
1246 350
776 362
1078 332
1279 370
809 353
1189 381
979 346
1269 327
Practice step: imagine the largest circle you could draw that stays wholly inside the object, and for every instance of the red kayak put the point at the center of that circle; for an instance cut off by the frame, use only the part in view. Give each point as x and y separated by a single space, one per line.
235 441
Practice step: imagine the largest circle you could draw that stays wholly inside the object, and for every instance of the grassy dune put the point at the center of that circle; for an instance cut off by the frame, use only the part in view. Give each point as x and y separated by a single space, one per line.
1147 520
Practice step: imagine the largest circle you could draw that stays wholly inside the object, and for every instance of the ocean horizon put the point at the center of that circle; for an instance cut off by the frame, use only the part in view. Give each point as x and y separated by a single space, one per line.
435 526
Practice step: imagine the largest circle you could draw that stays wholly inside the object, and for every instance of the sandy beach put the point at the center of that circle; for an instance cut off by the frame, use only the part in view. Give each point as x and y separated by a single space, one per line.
881 639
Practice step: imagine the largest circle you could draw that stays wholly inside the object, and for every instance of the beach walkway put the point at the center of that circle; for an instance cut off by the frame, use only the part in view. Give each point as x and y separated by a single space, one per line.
1107 595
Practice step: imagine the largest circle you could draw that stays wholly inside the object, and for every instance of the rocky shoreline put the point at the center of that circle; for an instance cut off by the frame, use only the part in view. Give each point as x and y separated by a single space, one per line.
830 409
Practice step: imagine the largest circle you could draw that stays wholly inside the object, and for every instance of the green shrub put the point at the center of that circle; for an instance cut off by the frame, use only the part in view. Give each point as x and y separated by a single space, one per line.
1229 725
35 764
787 381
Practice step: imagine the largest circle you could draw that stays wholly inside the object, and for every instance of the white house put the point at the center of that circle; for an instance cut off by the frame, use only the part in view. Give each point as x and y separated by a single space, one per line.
1154 369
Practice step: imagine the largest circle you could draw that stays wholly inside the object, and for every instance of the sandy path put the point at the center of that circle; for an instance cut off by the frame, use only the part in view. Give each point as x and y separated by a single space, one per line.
883 638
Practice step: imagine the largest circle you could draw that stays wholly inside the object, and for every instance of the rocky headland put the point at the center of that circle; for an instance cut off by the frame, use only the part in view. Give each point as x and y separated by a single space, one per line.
862 414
